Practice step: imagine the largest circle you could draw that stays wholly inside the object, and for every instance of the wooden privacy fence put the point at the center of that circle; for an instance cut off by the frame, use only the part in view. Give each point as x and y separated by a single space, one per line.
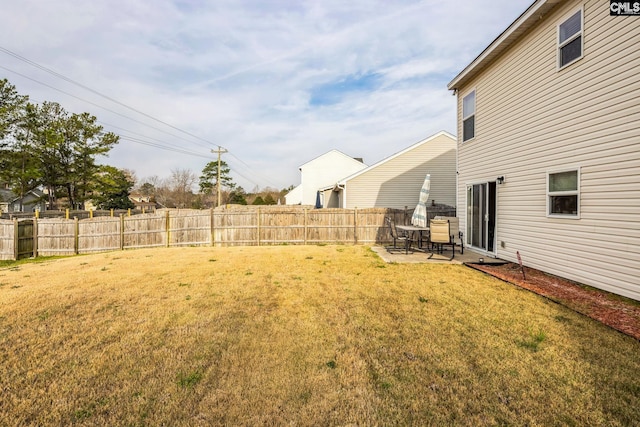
68 213
169 228
16 239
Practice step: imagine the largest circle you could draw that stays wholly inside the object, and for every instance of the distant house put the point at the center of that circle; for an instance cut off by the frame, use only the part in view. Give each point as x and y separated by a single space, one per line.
395 182
549 144
321 172
5 196
32 201
142 202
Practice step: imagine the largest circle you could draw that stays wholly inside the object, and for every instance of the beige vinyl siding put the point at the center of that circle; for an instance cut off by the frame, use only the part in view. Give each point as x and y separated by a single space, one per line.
532 118
396 183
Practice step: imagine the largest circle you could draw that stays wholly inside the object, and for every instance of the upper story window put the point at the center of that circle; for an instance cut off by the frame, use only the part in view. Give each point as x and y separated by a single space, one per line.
563 193
570 39
469 116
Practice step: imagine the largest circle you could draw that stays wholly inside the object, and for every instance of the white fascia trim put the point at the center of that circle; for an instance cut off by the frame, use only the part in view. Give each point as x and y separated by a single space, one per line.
506 36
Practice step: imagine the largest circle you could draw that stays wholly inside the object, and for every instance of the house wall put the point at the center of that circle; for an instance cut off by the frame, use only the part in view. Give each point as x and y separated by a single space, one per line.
294 197
31 203
332 199
396 183
5 196
532 118
325 171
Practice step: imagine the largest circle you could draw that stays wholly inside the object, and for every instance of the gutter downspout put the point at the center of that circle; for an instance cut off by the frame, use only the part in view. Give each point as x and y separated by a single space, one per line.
343 200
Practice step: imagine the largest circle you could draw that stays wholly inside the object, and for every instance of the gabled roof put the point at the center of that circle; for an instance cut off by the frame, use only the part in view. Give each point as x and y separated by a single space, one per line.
295 192
35 192
334 151
393 156
504 41
6 195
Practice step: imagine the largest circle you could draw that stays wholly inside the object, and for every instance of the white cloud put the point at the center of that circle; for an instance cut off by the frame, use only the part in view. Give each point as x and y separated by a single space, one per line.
241 74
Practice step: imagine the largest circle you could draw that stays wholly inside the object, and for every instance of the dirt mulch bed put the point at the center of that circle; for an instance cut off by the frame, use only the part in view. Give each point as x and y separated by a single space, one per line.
620 313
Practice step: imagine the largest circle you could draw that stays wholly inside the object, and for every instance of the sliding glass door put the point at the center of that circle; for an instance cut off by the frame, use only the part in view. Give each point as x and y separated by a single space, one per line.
481 216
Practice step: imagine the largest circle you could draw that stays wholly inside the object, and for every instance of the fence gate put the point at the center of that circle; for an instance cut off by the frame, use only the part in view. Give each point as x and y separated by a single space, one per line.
24 239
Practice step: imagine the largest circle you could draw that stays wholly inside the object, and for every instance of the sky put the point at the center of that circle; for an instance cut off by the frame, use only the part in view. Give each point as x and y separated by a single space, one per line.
274 83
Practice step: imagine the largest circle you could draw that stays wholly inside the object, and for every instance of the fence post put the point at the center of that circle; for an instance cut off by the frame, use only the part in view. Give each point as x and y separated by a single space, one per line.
258 222
167 225
121 232
66 213
213 234
76 235
305 226
355 226
35 236
16 238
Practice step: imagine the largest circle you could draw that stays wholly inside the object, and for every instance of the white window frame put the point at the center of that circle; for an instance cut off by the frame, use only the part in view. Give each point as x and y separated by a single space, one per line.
570 39
475 103
575 192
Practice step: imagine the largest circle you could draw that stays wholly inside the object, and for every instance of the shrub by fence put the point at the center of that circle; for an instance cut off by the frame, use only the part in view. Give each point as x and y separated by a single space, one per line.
246 226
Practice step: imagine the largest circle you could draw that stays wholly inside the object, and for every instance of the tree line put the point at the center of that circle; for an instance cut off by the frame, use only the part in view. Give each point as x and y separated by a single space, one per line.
44 146
177 190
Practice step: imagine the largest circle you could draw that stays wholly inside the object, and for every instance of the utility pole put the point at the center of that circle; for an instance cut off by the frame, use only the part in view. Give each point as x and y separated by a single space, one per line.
220 150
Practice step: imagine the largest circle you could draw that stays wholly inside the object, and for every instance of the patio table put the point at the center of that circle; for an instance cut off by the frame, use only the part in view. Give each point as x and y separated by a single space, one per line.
412 229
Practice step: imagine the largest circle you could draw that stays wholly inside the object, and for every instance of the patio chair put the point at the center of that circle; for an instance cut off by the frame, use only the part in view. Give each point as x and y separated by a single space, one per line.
454 222
406 238
440 236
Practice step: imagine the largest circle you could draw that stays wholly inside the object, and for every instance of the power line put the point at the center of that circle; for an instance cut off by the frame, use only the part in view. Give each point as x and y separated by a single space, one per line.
94 104
251 169
158 142
234 170
67 79
159 145
162 147
127 138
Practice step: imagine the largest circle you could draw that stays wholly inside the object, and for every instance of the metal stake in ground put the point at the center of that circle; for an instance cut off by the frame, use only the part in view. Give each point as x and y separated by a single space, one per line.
521 266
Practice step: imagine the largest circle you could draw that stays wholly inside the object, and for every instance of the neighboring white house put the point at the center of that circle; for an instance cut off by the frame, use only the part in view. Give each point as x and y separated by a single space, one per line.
321 172
395 182
549 144
294 197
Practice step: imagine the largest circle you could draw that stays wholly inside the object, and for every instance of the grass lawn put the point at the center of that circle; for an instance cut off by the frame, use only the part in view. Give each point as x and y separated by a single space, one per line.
294 335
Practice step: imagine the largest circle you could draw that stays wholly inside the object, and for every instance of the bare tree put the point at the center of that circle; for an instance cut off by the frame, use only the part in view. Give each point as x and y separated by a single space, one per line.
131 176
181 184
155 188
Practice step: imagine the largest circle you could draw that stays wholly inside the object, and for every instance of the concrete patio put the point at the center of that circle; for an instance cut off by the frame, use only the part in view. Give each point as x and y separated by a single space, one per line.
399 256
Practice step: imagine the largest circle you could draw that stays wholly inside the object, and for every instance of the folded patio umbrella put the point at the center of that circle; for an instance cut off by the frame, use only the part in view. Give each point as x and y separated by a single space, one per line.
419 217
